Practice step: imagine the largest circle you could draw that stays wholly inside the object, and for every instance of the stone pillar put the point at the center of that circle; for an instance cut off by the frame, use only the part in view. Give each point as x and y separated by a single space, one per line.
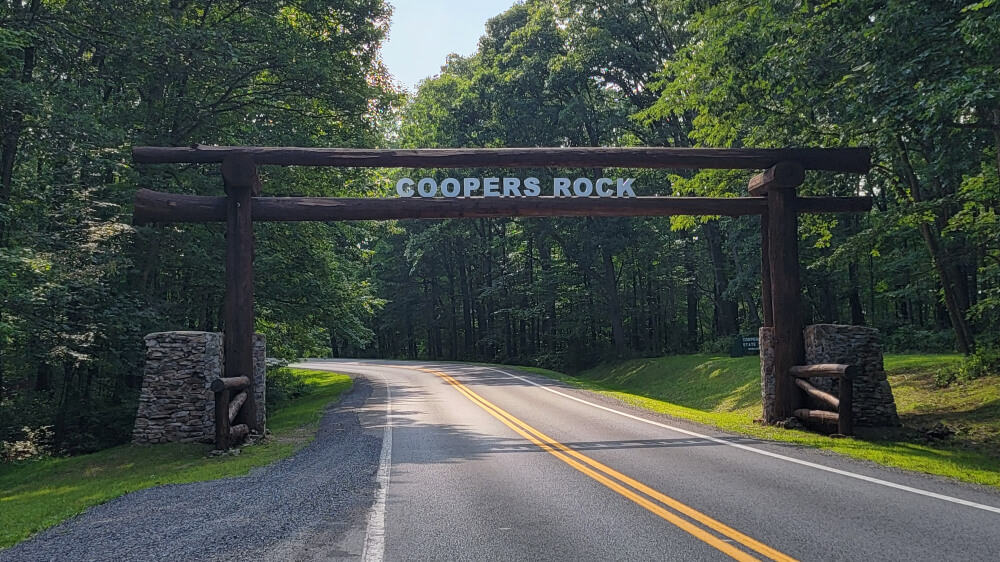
766 336
874 404
176 402
259 377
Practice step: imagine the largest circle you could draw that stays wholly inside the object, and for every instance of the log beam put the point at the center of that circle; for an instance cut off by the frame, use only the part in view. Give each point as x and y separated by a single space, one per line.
230 383
238 433
157 207
835 370
821 417
235 404
856 160
783 175
823 396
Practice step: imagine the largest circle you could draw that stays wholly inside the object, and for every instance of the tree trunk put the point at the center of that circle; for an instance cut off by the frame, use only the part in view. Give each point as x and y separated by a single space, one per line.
725 309
854 296
548 293
614 303
692 306
963 334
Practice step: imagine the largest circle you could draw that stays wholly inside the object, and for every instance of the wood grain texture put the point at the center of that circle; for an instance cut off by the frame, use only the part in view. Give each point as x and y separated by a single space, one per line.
856 160
157 207
230 383
845 423
821 395
781 175
786 294
238 433
222 419
835 370
819 417
239 173
235 404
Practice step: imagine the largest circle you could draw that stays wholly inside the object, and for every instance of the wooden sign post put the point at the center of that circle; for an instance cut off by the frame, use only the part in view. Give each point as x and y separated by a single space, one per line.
239 173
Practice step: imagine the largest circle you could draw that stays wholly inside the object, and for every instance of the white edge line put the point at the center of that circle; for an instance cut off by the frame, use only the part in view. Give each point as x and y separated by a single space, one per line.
374 550
761 451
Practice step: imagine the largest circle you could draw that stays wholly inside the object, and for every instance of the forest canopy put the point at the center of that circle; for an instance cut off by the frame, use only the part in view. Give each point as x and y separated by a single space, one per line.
83 82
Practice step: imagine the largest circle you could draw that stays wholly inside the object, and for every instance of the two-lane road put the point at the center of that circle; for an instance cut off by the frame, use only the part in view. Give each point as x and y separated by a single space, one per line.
484 463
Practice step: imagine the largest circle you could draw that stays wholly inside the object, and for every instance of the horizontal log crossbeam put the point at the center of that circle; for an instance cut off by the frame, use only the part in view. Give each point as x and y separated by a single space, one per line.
230 383
820 417
159 207
855 160
835 370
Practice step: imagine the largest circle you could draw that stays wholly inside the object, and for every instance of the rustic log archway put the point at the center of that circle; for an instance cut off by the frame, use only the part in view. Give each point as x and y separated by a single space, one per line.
772 196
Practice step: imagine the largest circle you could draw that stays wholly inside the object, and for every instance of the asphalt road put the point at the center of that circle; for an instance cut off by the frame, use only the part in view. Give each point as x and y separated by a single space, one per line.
502 465
461 462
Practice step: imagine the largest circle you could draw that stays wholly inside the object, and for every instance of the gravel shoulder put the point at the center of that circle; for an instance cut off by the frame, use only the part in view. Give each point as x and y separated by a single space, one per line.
312 505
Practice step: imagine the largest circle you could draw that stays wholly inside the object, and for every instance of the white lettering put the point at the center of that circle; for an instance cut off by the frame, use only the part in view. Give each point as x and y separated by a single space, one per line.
510 187
560 187
427 187
491 187
514 187
469 185
532 187
601 190
625 186
404 187
450 187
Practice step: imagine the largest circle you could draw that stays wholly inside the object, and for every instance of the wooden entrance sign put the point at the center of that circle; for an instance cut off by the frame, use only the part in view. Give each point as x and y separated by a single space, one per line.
773 197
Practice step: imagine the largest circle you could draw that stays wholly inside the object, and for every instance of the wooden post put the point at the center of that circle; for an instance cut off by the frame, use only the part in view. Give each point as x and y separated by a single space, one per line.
222 419
845 421
240 176
765 272
783 251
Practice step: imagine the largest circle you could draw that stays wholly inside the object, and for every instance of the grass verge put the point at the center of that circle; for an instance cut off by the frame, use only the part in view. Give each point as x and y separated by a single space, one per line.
725 392
35 495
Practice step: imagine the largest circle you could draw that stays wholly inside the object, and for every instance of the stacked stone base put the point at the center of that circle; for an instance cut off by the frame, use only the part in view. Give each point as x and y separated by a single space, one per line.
176 403
874 405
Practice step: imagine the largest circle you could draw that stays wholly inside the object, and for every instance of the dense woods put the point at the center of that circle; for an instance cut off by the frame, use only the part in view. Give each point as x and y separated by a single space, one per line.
83 82
917 82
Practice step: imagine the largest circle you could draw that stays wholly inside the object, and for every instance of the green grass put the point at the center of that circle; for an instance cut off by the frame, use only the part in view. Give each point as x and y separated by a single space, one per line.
725 392
35 495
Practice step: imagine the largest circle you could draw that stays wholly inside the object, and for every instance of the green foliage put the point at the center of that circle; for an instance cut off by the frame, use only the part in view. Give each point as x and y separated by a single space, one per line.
83 82
984 363
284 384
911 339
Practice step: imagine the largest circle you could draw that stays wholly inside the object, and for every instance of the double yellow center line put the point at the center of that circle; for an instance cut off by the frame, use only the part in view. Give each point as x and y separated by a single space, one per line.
656 502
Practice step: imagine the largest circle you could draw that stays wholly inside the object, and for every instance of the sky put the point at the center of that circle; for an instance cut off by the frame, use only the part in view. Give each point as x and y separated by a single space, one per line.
424 32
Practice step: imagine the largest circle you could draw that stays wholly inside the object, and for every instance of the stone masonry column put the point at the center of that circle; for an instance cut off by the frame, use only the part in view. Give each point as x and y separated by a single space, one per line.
766 337
874 404
176 402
